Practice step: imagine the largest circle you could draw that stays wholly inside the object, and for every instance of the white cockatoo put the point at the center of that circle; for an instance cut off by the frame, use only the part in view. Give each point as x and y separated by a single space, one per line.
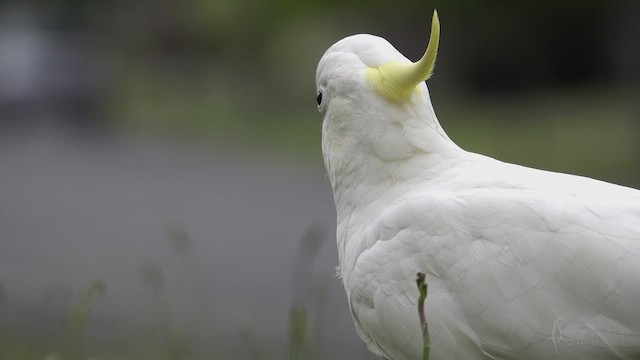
520 263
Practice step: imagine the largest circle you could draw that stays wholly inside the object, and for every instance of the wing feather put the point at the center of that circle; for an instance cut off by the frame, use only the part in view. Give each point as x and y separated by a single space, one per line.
515 268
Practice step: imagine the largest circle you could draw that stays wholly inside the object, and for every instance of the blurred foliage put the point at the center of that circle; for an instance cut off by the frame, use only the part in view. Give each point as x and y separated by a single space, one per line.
298 332
589 133
72 344
175 345
550 76
306 311
241 73
167 339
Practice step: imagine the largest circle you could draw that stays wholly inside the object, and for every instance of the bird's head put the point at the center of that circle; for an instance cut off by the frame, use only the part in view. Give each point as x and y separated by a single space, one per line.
375 103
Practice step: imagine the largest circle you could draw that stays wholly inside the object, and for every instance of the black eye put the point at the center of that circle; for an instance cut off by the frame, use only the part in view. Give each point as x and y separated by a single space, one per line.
319 98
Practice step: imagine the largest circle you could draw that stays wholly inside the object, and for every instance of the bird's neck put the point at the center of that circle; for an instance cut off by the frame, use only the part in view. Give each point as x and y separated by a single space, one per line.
363 181
400 156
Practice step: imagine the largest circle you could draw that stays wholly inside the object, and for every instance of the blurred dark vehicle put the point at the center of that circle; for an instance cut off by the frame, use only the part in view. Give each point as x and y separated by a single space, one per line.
48 75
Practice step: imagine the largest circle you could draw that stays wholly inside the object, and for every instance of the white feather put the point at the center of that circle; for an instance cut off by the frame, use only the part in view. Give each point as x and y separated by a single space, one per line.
520 263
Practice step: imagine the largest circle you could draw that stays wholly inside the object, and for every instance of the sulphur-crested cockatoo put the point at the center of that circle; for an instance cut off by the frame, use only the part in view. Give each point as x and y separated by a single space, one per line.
520 263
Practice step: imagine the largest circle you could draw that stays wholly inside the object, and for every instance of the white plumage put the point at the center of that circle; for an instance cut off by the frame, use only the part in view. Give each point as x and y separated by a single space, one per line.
520 263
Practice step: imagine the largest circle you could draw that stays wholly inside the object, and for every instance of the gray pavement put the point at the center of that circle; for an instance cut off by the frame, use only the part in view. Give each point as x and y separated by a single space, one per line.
77 209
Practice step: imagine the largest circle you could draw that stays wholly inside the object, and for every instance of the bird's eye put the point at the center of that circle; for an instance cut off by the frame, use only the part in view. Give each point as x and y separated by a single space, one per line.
319 98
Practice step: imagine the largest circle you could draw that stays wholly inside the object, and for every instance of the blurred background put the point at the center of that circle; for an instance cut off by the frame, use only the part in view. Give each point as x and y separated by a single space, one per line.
162 191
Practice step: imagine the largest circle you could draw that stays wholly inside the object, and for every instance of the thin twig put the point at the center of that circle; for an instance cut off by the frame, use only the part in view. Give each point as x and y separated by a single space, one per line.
422 287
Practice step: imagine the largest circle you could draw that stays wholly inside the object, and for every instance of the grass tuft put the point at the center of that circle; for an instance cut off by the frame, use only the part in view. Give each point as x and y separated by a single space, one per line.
422 287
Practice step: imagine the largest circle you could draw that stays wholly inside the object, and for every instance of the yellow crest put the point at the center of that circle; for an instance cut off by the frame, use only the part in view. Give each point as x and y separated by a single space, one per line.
396 80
